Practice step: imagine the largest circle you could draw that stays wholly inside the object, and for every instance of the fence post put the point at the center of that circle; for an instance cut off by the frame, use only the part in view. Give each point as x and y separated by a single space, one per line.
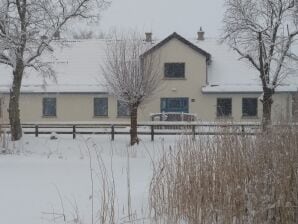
73 132
242 129
152 133
112 133
193 132
36 130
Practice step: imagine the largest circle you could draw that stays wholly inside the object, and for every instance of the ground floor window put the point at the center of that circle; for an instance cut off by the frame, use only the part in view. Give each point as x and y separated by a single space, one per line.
224 107
174 105
249 107
1 103
101 106
49 106
122 109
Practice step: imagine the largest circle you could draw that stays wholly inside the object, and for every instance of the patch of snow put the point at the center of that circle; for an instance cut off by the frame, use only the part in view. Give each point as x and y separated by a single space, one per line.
32 179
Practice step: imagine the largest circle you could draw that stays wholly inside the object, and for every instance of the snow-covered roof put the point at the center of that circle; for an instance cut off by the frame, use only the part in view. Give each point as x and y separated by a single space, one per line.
227 73
77 65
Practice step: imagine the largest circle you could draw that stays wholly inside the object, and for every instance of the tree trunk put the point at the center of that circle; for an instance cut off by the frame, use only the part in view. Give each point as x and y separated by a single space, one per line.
133 125
13 109
267 105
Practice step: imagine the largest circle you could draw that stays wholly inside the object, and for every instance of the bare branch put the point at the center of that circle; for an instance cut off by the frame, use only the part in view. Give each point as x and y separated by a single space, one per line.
131 78
263 32
27 28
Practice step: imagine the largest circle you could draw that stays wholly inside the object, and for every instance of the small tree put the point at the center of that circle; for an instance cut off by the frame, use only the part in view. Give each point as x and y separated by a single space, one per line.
27 28
130 76
262 32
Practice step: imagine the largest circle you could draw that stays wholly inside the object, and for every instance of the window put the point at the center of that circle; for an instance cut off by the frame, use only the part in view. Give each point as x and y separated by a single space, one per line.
1 103
174 105
224 107
174 70
249 107
100 106
49 107
122 109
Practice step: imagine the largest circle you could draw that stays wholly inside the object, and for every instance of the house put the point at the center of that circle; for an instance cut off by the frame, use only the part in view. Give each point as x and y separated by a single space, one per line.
198 76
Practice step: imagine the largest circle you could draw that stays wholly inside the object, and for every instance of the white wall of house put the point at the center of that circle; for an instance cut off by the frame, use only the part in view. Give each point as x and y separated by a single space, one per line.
70 107
80 108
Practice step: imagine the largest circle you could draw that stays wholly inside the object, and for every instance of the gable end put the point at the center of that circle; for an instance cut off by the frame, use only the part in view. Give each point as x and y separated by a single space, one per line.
183 40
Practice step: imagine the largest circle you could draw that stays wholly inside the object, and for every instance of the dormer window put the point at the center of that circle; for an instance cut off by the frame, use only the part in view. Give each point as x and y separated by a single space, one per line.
174 70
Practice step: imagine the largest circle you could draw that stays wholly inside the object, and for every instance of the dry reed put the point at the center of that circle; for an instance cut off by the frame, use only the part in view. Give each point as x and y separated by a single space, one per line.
228 179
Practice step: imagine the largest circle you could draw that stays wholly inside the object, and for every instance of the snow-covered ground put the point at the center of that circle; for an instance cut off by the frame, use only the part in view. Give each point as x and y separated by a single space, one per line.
44 179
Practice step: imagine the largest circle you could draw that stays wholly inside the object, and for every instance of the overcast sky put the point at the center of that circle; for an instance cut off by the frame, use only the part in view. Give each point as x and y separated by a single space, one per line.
163 17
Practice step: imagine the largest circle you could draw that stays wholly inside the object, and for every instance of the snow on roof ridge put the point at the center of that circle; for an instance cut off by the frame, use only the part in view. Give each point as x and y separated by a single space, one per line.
78 66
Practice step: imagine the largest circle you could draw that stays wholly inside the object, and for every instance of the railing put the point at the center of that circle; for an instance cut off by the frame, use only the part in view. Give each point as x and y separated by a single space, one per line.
173 116
151 128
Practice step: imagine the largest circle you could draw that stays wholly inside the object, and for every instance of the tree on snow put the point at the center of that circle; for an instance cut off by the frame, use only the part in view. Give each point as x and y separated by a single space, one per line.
27 28
262 32
132 77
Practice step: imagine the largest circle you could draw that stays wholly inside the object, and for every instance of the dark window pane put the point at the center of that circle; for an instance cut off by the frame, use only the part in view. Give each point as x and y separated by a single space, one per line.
122 109
249 106
100 106
174 105
1 103
174 70
49 106
224 107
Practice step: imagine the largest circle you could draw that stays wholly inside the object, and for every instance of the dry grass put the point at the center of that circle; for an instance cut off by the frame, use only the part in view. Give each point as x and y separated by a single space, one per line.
228 179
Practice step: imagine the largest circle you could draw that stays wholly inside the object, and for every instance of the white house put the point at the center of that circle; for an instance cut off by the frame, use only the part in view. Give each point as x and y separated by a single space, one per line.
198 76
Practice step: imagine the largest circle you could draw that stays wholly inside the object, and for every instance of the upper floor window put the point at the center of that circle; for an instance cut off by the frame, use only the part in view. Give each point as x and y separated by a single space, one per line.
100 106
174 70
49 107
122 109
224 107
249 107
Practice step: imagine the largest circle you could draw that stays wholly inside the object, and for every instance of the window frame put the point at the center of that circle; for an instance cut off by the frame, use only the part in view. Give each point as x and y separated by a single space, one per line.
166 99
122 103
1 106
256 107
44 101
230 109
167 74
106 112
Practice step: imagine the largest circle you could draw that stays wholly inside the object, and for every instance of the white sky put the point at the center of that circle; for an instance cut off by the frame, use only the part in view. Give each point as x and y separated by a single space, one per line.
163 17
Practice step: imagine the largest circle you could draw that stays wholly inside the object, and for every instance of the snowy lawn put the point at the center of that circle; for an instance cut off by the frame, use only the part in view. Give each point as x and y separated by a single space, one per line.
44 179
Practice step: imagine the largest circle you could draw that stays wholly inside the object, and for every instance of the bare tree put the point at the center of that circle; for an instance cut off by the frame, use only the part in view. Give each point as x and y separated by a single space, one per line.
27 28
131 75
262 32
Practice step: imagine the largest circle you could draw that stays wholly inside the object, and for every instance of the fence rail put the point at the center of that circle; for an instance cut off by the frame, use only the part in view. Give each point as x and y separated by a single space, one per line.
153 129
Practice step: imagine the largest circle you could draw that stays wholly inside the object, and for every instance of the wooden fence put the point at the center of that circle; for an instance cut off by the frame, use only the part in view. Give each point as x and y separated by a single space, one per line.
153 129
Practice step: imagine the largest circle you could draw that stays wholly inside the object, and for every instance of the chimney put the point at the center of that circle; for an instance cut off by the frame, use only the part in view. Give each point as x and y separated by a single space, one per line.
148 37
201 34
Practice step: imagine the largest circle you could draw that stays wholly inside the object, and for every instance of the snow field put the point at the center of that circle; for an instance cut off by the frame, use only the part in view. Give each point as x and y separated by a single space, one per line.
46 181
